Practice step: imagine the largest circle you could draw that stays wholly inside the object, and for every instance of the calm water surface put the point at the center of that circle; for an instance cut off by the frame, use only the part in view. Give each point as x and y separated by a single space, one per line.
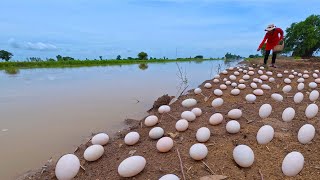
48 112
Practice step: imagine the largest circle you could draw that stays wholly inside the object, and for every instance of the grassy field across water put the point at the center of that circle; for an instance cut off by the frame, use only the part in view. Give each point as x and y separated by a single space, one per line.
84 63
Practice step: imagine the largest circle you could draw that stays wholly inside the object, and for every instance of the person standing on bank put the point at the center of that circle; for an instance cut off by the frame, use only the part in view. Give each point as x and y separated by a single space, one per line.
273 39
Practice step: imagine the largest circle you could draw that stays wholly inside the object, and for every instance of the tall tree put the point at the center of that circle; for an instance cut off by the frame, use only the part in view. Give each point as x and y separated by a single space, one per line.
118 57
5 55
303 38
100 57
143 56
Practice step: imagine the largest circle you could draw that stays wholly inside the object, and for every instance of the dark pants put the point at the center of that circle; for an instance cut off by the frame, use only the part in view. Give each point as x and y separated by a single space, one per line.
266 56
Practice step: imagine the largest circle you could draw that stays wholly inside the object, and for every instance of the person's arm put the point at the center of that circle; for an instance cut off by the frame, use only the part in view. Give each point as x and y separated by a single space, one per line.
262 43
281 34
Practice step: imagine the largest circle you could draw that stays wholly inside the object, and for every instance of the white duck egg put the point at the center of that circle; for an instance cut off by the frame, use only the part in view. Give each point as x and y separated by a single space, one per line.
188 115
264 77
291 76
306 76
243 155
286 88
164 144
251 68
217 102
223 87
298 97
288 114
314 95
295 73
241 81
245 71
217 92
292 164
67 167
233 127
258 92
300 86
230 68
246 77
269 73
224 72
316 71
313 85
131 138
279 75
256 80
265 86
156 133
317 80
93 152
216 80
131 166
261 67
182 125
300 80
314 75
271 79
207 85
151 120
253 85
228 82
260 72
305 71
277 97
265 110
234 84
285 71
198 151
197 111
188 103
235 92
235 114
306 133
101 139
287 81
265 134
241 86
197 91
164 109
217 76
169 177
251 73
232 77
216 119
300 74
203 134
251 97
312 111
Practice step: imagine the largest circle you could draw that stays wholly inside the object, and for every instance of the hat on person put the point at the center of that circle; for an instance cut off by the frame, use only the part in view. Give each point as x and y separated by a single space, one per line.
270 27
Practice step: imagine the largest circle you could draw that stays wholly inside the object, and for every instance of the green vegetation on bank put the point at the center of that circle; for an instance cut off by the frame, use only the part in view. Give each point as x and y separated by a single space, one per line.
61 61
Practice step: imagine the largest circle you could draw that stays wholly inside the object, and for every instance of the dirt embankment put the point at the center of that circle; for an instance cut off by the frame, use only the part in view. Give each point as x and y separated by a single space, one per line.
268 158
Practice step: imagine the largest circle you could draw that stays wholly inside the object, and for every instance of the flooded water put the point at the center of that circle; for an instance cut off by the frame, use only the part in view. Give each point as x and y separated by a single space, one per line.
48 112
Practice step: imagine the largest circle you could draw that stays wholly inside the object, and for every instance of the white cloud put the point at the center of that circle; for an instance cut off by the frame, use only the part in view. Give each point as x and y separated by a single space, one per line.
40 46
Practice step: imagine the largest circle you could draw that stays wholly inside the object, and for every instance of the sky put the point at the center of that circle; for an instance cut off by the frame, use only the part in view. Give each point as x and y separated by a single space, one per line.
170 28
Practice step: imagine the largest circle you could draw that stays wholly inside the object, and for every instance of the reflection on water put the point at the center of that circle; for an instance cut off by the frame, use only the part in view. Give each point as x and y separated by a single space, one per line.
48 112
143 66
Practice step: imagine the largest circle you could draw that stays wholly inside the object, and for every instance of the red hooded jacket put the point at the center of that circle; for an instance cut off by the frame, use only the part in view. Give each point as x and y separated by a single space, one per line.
272 38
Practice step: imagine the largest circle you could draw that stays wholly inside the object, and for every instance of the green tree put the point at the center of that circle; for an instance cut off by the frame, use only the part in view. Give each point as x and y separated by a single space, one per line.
143 56
198 57
100 58
130 58
303 38
59 57
118 57
5 55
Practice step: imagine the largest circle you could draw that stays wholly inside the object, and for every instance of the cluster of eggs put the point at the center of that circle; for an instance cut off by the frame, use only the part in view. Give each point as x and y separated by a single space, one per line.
68 165
265 134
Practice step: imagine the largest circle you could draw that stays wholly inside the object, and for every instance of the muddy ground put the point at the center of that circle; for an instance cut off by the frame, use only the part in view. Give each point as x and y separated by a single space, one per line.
268 158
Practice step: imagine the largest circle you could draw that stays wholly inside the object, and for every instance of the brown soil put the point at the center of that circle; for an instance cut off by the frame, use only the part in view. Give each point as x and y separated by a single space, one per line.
268 158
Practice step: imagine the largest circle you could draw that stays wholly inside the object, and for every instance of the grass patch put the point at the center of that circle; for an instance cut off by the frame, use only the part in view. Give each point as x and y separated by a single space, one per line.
11 70
84 63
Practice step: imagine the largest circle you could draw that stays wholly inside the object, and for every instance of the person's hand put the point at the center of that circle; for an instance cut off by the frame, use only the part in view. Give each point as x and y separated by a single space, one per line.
258 49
